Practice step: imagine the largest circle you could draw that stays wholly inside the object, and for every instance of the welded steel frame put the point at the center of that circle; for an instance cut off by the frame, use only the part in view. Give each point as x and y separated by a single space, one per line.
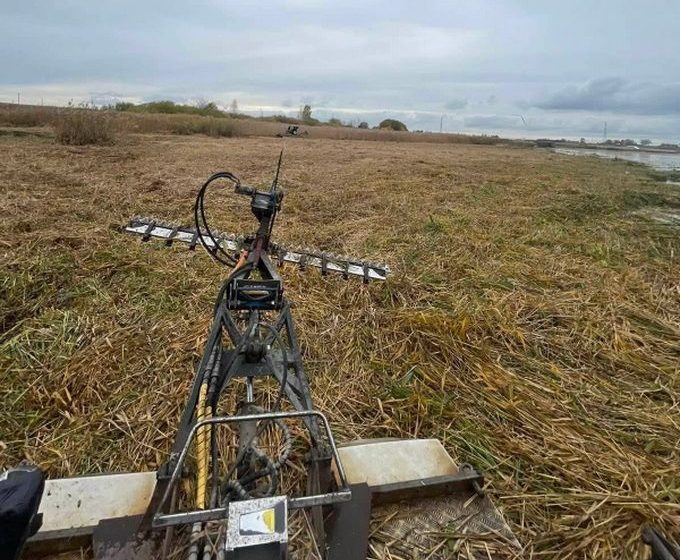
219 366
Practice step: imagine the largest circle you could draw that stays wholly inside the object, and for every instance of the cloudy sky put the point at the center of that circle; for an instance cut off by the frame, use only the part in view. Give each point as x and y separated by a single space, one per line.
522 68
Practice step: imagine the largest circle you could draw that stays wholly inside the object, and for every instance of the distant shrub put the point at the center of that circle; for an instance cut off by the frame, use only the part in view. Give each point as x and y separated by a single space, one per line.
282 119
335 122
124 106
393 124
363 124
170 107
210 110
484 139
17 115
80 126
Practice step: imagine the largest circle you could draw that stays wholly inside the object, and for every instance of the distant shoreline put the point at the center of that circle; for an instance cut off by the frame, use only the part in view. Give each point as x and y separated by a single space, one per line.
587 146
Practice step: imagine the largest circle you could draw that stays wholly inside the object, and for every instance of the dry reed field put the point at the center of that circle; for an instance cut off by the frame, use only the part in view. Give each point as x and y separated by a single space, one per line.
532 322
185 124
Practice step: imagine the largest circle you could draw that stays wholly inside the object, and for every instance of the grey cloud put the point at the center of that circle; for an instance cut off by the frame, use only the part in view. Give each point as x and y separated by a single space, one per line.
616 95
577 125
106 97
491 121
358 58
456 104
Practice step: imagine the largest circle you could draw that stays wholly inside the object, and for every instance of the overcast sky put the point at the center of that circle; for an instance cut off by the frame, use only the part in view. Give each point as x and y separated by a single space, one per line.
521 68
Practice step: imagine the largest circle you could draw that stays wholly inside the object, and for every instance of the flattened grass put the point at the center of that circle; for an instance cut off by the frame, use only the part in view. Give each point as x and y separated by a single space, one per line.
532 323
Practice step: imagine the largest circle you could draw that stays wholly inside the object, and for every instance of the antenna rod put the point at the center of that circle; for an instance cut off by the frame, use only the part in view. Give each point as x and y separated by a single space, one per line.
275 182
278 168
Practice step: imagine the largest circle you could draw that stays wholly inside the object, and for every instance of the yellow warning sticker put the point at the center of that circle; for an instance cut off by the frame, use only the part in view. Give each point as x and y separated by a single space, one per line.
261 522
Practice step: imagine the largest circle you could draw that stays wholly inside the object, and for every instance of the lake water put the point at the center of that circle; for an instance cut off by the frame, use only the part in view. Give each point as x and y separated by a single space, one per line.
663 162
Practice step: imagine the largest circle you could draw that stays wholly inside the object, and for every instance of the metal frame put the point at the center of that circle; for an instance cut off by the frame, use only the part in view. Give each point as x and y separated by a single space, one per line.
238 347
233 363
344 494
222 366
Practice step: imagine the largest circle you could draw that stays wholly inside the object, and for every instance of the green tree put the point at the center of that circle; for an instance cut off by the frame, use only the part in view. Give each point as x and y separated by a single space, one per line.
124 106
306 113
393 124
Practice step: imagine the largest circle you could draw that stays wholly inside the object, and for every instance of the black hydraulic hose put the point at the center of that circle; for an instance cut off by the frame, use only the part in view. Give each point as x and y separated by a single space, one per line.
201 221
271 466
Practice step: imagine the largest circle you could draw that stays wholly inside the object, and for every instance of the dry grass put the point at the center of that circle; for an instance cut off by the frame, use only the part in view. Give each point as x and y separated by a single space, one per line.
128 122
532 323
78 127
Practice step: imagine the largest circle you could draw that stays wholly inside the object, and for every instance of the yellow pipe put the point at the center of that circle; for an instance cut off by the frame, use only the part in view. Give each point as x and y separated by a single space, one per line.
202 447
203 435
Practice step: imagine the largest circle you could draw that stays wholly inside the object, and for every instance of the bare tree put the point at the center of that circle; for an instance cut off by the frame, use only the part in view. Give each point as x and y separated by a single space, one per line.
306 113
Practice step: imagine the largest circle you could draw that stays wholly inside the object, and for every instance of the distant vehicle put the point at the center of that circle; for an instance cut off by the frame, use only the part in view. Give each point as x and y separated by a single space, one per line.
293 130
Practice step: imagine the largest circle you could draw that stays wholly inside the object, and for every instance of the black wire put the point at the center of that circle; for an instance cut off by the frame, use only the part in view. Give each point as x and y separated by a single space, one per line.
202 224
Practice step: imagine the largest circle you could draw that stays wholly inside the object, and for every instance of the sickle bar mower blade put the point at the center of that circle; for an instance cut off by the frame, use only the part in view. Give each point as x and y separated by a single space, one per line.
326 262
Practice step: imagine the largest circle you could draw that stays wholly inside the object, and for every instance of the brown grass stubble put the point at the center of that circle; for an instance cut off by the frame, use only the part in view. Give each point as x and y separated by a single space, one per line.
532 323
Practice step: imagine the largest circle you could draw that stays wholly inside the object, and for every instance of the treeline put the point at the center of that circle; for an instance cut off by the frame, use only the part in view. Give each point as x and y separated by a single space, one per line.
171 108
86 124
210 109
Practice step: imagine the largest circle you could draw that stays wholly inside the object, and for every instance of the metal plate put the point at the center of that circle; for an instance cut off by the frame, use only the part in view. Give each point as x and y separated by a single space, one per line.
441 527
436 502
383 462
73 507
257 522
